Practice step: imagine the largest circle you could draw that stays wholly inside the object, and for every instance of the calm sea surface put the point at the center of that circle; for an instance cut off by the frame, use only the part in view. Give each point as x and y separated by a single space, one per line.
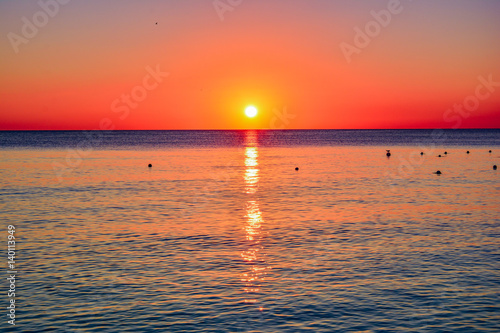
222 234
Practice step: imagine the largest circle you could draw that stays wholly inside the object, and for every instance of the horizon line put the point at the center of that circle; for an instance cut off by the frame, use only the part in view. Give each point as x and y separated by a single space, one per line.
253 129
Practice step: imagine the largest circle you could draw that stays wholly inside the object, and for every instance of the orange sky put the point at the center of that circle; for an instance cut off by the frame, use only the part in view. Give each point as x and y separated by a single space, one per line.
288 58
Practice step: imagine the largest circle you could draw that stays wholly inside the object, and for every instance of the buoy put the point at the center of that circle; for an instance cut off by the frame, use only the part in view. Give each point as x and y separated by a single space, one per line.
297 169
421 153
437 172
490 151
150 165
467 151
446 153
439 155
388 152
494 167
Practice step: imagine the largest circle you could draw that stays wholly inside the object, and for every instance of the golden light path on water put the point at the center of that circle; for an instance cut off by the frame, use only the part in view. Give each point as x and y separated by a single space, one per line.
253 228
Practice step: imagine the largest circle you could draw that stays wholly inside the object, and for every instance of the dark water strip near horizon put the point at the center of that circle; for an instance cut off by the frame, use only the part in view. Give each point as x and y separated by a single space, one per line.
159 139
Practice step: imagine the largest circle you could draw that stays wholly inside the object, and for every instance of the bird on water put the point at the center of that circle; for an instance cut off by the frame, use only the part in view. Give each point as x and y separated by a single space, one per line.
388 152
150 165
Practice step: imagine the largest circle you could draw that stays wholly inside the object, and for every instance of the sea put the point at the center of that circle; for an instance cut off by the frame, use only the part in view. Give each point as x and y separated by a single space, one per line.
250 231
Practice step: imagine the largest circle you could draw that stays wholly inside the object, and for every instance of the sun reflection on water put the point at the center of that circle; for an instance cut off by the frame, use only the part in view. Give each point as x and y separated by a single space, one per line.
251 170
253 255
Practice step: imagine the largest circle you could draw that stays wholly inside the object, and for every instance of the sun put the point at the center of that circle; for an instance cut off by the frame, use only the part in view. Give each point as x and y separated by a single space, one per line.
251 111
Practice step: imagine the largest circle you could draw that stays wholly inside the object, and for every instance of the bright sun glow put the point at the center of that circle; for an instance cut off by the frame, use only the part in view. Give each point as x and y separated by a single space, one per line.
251 111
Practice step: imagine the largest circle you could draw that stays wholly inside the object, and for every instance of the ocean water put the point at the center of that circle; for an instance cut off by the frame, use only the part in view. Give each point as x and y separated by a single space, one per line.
222 234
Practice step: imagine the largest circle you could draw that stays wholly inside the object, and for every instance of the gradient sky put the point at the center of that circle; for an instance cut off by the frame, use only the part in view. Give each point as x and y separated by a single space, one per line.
282 56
